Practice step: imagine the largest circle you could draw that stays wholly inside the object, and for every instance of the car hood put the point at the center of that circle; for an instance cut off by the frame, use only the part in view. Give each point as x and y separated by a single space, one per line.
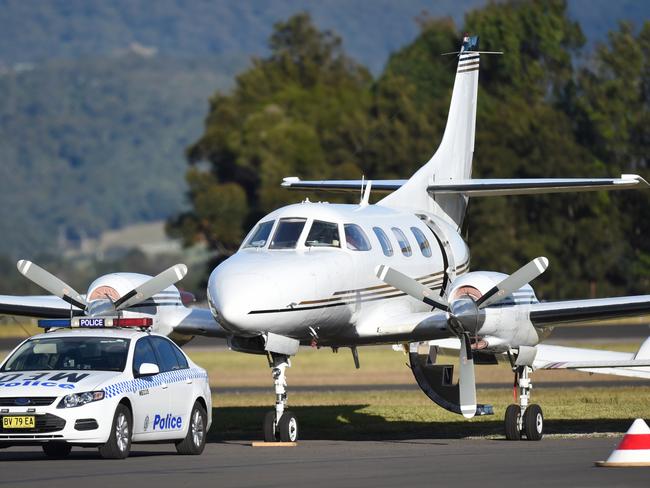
52 383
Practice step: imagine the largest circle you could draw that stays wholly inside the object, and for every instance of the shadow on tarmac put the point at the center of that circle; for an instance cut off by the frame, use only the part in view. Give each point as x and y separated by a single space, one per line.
349 422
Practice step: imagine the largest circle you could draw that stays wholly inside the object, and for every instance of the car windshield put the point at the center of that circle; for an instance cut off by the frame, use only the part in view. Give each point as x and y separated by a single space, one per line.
70 353
323 234
261 235
287 234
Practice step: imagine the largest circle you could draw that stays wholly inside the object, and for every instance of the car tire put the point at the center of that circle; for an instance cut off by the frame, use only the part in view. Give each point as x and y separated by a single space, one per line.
57 450
194 441
119 441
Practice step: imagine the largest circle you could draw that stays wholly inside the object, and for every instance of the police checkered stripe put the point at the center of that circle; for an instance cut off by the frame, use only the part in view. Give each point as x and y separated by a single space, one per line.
137 384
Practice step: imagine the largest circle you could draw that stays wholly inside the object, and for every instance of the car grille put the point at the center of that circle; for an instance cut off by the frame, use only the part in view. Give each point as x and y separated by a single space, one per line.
44 423
26 401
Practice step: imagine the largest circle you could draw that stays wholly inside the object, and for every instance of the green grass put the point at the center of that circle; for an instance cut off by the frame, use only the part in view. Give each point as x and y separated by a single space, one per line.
409 414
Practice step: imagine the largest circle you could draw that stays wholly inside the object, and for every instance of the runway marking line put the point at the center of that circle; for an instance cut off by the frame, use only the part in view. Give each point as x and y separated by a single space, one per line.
273 444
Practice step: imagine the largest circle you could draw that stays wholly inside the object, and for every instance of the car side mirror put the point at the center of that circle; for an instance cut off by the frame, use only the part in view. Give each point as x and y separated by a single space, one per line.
148 369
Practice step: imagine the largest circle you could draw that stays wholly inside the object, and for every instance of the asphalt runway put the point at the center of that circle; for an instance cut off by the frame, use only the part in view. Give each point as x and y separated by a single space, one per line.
481 463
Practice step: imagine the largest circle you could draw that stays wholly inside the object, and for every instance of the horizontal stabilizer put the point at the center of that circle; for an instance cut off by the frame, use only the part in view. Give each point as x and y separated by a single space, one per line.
531 186
296 183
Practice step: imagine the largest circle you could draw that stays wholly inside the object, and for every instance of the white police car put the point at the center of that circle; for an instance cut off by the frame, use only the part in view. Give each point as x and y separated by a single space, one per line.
105 388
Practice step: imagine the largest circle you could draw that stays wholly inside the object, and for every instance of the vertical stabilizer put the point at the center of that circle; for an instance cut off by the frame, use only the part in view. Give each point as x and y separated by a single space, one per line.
453 159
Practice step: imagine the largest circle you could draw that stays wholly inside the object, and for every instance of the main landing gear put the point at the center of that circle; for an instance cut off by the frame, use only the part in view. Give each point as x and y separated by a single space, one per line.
524 419
280 424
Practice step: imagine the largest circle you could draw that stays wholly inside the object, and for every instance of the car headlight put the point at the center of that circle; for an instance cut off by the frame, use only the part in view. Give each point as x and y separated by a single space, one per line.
78 399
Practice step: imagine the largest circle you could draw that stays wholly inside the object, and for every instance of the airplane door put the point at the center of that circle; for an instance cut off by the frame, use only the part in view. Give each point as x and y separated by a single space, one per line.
152 397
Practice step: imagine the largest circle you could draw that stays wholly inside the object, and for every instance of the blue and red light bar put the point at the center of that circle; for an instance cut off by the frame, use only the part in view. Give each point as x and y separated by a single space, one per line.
95 322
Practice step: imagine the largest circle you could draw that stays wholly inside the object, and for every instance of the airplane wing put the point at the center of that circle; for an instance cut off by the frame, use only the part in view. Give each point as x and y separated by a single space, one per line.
200 322
479 187
42 307
635 365
599 311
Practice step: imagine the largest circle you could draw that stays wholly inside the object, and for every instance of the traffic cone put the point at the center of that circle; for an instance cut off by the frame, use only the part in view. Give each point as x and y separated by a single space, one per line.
634 449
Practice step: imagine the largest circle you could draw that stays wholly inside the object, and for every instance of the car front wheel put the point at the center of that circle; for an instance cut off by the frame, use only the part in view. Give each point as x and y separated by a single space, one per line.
119 442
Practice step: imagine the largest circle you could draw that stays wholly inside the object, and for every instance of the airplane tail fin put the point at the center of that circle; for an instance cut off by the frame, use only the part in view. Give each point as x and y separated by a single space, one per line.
453 159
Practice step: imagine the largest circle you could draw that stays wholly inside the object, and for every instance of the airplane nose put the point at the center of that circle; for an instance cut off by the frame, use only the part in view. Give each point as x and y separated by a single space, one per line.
235 294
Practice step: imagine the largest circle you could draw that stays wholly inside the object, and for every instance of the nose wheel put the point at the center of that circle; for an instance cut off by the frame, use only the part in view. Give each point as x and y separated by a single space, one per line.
524 419
280 424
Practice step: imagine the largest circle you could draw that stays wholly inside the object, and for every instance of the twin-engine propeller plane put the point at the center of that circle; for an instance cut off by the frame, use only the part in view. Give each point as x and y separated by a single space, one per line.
394 272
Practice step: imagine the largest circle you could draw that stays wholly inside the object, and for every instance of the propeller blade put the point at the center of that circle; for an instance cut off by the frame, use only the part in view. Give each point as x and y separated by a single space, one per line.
152 286
410 286
466 380
51 283
512 283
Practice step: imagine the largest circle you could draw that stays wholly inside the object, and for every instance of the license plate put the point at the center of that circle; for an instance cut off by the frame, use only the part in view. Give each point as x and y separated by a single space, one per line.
24 422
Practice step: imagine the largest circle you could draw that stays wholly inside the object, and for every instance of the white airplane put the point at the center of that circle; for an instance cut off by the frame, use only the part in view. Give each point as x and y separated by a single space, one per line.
394 272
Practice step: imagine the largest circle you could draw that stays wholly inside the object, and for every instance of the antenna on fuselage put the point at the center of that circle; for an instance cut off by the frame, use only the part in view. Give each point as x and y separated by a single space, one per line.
365 197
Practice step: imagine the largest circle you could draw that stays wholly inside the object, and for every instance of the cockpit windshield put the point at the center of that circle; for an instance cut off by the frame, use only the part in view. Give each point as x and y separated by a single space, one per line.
323 234
260 235
287 234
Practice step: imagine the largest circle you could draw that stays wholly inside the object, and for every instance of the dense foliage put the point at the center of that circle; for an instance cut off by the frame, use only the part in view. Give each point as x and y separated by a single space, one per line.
308 110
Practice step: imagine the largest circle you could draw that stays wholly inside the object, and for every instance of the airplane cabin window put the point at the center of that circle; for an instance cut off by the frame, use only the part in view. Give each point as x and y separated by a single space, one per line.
425 247
403 241
384 241
356 238
287 234
260 235
323 234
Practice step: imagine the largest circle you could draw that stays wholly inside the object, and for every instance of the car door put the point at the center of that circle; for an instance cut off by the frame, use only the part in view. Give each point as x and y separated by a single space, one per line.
152 398
179 381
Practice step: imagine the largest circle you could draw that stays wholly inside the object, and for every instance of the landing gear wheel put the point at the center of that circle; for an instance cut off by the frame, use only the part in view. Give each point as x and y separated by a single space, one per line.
533 423
512 422
269 427
288 427
194 441
118 444
57 450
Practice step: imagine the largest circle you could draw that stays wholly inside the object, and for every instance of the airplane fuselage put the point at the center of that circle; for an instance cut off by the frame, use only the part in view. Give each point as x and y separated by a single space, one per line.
308 271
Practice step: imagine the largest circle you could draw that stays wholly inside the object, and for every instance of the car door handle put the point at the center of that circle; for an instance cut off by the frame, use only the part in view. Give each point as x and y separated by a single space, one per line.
189 381
164 386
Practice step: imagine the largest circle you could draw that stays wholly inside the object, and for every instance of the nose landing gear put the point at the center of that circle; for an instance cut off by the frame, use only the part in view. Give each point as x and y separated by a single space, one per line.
280 424
524 418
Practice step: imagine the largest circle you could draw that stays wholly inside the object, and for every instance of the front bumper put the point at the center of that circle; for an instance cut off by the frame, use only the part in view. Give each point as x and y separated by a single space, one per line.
88 424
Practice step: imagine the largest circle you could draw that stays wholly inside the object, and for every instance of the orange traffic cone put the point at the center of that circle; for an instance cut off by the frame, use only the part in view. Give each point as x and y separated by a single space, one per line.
634 449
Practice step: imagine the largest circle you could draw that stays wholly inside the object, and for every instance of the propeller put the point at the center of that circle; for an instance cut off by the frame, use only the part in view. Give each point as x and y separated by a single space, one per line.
57 287
152 286
51 283
462 315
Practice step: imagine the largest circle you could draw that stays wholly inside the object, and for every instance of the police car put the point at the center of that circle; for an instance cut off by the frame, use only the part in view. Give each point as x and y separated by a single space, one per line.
103 387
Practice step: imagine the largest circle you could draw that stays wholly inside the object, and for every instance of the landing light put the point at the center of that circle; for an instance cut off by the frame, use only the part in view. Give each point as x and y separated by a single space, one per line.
95 322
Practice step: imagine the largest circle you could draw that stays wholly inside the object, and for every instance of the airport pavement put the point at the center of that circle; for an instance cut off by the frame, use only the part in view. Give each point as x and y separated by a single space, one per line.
553 462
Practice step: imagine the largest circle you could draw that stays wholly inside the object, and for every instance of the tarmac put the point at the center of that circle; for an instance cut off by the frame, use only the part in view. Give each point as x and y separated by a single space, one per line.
433 462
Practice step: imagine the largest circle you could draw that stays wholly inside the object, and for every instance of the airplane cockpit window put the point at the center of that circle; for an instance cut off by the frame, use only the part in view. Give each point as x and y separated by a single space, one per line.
425 247
260 235
287 234
323 234
384 241
403 241
356 238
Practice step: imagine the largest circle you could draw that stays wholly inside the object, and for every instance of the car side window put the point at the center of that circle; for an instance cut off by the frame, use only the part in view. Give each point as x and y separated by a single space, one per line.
180 357
165 354
384 241
143 353
403 241
356 238
425 247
